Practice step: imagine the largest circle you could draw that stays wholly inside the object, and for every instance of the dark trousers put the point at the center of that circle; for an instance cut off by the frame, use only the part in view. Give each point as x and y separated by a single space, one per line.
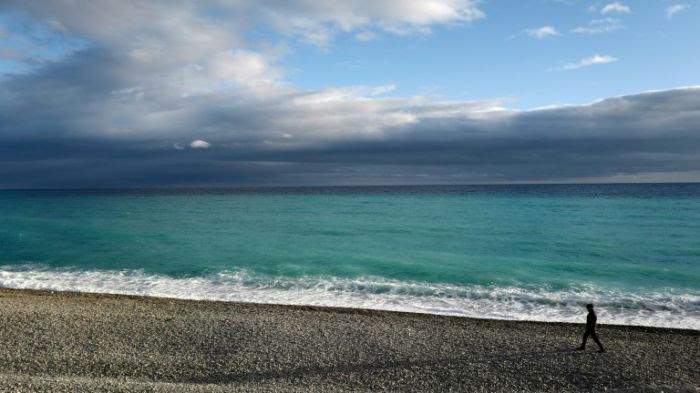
595 338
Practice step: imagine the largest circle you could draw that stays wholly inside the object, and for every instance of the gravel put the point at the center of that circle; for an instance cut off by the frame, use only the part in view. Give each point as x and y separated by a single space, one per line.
87 342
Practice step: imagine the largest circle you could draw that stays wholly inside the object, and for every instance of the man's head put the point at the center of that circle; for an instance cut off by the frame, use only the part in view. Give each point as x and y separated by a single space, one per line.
589 307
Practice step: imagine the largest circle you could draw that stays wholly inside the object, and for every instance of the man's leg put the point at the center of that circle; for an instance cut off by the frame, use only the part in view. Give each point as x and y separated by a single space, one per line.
585 338
595 338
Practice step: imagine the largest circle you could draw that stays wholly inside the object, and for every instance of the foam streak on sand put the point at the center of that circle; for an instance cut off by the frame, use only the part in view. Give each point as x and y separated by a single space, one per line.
661 309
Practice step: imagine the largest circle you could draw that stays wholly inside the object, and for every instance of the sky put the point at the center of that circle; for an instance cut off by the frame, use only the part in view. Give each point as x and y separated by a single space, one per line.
179 93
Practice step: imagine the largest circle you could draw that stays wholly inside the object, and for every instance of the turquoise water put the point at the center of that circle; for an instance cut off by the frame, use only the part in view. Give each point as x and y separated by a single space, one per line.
517 252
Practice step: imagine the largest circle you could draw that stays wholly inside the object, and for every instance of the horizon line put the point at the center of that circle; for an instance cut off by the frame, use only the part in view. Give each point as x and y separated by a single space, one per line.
213 187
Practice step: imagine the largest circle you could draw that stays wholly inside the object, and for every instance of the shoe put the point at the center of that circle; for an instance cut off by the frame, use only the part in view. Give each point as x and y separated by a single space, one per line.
601 350
580 349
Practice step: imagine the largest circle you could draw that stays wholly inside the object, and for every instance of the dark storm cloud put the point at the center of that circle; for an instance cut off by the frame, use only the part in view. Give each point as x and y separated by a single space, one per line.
633 135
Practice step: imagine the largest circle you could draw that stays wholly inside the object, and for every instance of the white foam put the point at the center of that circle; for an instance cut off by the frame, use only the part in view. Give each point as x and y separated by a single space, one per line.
661 308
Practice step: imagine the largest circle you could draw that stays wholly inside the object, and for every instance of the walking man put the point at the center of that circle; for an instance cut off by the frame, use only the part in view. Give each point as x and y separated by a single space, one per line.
591 320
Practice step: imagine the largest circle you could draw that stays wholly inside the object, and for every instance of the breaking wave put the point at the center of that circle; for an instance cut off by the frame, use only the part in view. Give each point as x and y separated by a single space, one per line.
666 308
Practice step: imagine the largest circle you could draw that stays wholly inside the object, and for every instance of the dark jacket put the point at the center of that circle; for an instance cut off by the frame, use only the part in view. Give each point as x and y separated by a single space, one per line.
590 321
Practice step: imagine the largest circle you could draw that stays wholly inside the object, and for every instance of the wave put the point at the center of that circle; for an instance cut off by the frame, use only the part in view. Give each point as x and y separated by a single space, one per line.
667 308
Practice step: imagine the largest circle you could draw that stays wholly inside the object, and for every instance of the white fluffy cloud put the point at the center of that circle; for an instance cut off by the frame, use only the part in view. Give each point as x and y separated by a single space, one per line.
599 26
199 144
542 32
366 36
176 31
674 9
616 7
318 22
163 68
589 61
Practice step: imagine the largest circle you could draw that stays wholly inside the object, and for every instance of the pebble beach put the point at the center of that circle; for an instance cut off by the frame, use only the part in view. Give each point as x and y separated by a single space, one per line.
62 341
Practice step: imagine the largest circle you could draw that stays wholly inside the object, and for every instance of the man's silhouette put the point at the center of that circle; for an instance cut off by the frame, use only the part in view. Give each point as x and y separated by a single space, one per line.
591 320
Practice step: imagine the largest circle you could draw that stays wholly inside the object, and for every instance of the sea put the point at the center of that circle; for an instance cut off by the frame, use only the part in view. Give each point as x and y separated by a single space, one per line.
516 252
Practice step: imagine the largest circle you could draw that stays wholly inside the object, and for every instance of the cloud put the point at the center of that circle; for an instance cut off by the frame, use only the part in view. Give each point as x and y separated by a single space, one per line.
615 7
366 36
599 26
542 32
589 61
199 144
674 9
318 22
153 82
147 30
345 136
